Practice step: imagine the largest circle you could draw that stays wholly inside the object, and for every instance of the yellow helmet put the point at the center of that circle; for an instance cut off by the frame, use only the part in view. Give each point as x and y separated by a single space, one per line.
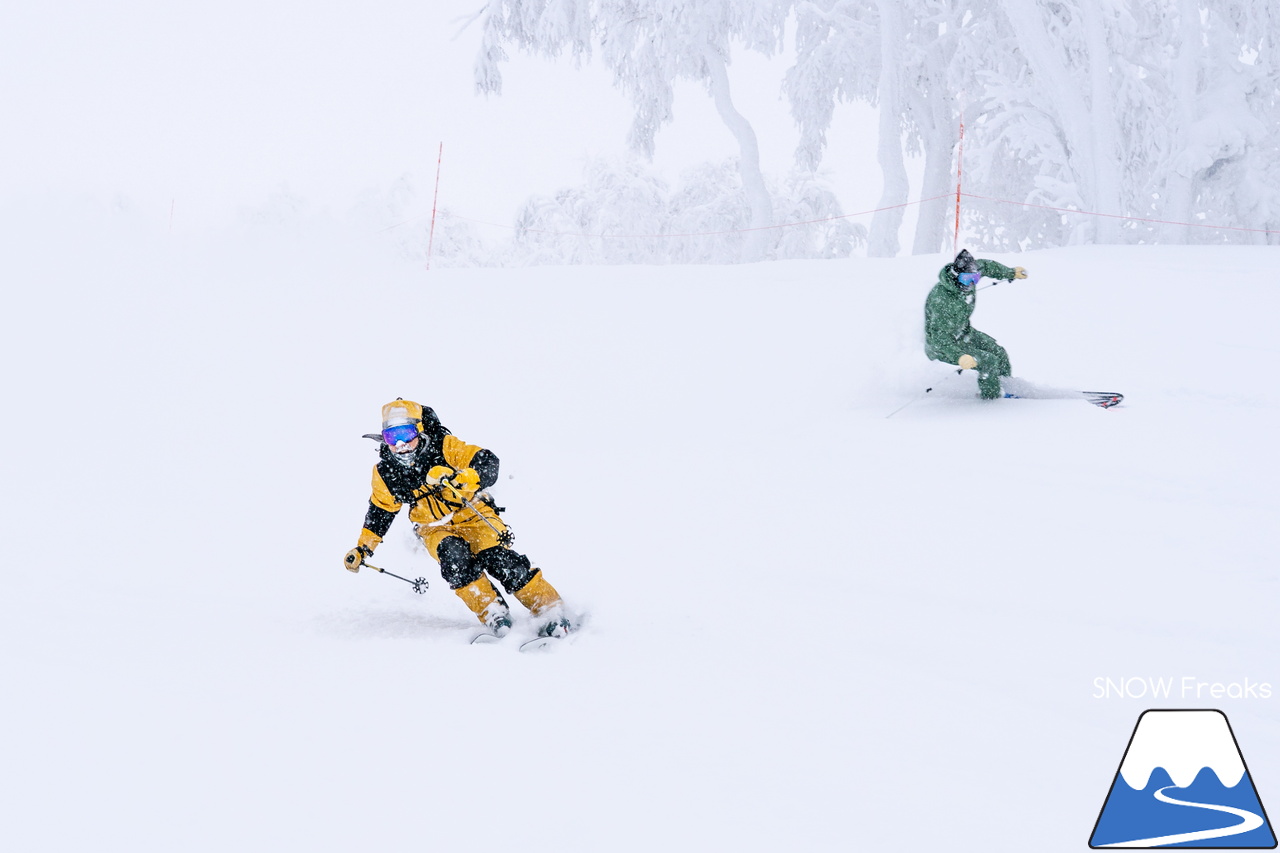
401 411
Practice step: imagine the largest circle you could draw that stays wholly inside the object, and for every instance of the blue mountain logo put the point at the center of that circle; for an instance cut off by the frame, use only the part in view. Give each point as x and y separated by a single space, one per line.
1183 783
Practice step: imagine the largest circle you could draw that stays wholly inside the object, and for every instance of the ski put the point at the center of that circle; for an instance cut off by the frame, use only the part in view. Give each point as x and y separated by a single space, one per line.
1105 399
488 638
537 644
1021 390
549 636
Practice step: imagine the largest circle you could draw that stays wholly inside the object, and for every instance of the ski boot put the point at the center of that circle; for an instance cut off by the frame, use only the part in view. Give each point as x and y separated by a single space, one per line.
487 604
554 624
546 606
497 618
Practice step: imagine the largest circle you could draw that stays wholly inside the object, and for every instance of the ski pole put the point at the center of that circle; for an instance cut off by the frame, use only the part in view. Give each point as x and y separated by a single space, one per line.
419 585
916 399
994 282
505 537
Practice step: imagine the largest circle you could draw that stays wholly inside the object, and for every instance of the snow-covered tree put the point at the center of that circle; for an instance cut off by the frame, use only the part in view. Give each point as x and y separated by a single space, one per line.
622 213
1224 127
818 228
648 45
1047 129
896 56
1136 113
1134 109
615 216
934 46
837 60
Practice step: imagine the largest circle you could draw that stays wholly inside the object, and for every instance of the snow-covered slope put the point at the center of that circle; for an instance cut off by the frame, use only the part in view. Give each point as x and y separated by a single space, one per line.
808 626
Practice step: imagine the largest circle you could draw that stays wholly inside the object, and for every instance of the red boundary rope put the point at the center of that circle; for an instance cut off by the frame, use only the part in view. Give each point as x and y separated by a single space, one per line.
1119 216
697 233
959 194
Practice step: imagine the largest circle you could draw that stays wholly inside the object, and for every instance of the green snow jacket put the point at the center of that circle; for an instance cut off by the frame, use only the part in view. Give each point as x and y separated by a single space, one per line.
948 309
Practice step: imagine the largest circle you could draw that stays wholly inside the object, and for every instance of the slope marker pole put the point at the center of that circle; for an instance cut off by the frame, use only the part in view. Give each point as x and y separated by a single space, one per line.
431 237
955 240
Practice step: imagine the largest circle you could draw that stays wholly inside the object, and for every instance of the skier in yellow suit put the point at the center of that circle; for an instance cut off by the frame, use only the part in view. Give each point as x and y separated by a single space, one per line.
442 480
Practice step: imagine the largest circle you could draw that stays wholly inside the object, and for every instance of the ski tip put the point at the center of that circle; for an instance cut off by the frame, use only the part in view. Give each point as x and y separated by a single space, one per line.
538 644
1105 399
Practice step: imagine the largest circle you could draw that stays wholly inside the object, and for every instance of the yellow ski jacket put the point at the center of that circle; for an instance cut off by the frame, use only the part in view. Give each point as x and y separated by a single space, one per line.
396 484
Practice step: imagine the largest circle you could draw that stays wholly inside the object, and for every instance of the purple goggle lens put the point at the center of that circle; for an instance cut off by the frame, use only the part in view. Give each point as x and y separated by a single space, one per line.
969 279
396 434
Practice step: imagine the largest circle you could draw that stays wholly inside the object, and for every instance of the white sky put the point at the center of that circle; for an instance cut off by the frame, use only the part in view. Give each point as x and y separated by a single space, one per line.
219 105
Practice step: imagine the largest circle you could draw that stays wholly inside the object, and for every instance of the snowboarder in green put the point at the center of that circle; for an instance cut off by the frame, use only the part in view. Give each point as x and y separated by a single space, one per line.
947 334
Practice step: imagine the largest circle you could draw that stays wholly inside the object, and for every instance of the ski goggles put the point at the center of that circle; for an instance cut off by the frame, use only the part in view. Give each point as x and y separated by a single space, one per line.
968 279
406 433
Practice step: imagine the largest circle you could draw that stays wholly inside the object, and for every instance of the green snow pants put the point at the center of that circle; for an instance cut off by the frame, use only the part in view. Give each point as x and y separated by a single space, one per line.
993 361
